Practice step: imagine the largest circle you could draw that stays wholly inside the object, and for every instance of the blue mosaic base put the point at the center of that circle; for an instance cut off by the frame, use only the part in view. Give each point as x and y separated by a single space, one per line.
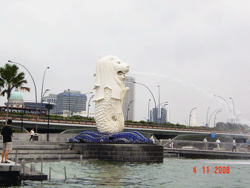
121 137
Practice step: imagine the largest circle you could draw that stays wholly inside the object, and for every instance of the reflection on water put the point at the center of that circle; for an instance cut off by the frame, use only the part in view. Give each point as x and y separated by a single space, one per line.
108 173
170 173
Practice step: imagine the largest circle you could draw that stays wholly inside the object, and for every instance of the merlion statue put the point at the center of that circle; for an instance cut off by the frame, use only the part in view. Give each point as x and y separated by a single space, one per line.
110 91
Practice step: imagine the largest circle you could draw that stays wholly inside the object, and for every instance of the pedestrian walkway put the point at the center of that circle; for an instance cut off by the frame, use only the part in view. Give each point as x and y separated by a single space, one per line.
40 150
207 154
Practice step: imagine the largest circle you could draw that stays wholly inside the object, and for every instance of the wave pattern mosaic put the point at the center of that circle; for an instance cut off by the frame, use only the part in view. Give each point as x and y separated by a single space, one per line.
121 137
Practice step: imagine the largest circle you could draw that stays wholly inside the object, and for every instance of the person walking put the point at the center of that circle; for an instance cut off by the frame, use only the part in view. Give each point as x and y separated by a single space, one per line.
7 140
234 145
205 143
31 134
218 144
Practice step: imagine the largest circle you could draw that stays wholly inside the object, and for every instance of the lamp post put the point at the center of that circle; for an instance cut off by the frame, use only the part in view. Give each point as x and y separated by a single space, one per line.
212 114
42 99
89 104
128 108
34 86
42 90
207 116
44 94
215 116
159 108
48 106
225 102
233 109
77 101
191 115
149 91
69 101
148 109
166 103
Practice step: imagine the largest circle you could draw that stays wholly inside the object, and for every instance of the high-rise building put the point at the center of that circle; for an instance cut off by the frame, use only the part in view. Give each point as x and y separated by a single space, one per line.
168 114
164 115
71 101
128 106
52 98
154 115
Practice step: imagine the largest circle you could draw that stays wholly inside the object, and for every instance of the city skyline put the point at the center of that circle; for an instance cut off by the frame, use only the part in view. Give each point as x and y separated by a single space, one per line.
195 51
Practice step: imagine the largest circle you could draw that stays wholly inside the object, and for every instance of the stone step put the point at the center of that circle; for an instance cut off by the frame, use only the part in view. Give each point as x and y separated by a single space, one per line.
165 155
35 143
38 152
38 147
37 158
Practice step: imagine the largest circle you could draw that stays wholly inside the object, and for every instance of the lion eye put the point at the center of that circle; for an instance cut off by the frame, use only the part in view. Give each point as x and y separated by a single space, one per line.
119 62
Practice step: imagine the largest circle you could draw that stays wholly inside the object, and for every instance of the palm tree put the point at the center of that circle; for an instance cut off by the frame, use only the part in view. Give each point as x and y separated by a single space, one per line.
10 79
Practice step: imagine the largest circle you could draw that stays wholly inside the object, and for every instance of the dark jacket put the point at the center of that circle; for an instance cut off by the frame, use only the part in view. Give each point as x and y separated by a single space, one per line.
7 133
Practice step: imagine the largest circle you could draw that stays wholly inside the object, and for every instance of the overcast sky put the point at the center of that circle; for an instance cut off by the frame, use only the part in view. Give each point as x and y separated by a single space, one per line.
192 49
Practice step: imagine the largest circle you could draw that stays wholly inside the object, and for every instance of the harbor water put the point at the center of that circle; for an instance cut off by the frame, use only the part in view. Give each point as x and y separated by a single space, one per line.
173 172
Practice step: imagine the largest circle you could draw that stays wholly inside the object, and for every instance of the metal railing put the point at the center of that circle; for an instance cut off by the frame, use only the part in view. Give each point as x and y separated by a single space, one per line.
200 145
64 168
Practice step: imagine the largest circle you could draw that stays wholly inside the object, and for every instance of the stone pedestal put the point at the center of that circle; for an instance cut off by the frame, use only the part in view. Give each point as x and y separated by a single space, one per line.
120 152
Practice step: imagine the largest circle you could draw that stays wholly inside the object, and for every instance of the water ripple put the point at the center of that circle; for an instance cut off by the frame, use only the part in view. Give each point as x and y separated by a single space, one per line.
170 173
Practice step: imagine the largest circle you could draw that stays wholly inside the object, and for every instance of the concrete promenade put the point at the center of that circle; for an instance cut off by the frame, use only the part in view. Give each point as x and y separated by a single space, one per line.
56 149
206 154
18 138
198 149
22 148
24 151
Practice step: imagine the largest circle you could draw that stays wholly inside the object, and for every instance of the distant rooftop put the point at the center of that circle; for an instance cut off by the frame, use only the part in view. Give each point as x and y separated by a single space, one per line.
16 95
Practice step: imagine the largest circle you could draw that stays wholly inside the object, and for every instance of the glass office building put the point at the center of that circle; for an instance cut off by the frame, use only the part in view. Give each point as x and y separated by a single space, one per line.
72 101
164 115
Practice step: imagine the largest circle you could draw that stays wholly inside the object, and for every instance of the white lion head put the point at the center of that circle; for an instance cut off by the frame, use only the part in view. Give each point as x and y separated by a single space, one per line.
110 72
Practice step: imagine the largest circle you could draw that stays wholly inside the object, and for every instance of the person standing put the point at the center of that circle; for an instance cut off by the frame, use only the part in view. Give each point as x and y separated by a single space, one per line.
234 145
153 138
7 140
205 143
245 145
31 134
218 144
172 144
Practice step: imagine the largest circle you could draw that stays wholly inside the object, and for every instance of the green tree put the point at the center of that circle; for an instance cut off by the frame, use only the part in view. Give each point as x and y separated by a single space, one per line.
10 78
